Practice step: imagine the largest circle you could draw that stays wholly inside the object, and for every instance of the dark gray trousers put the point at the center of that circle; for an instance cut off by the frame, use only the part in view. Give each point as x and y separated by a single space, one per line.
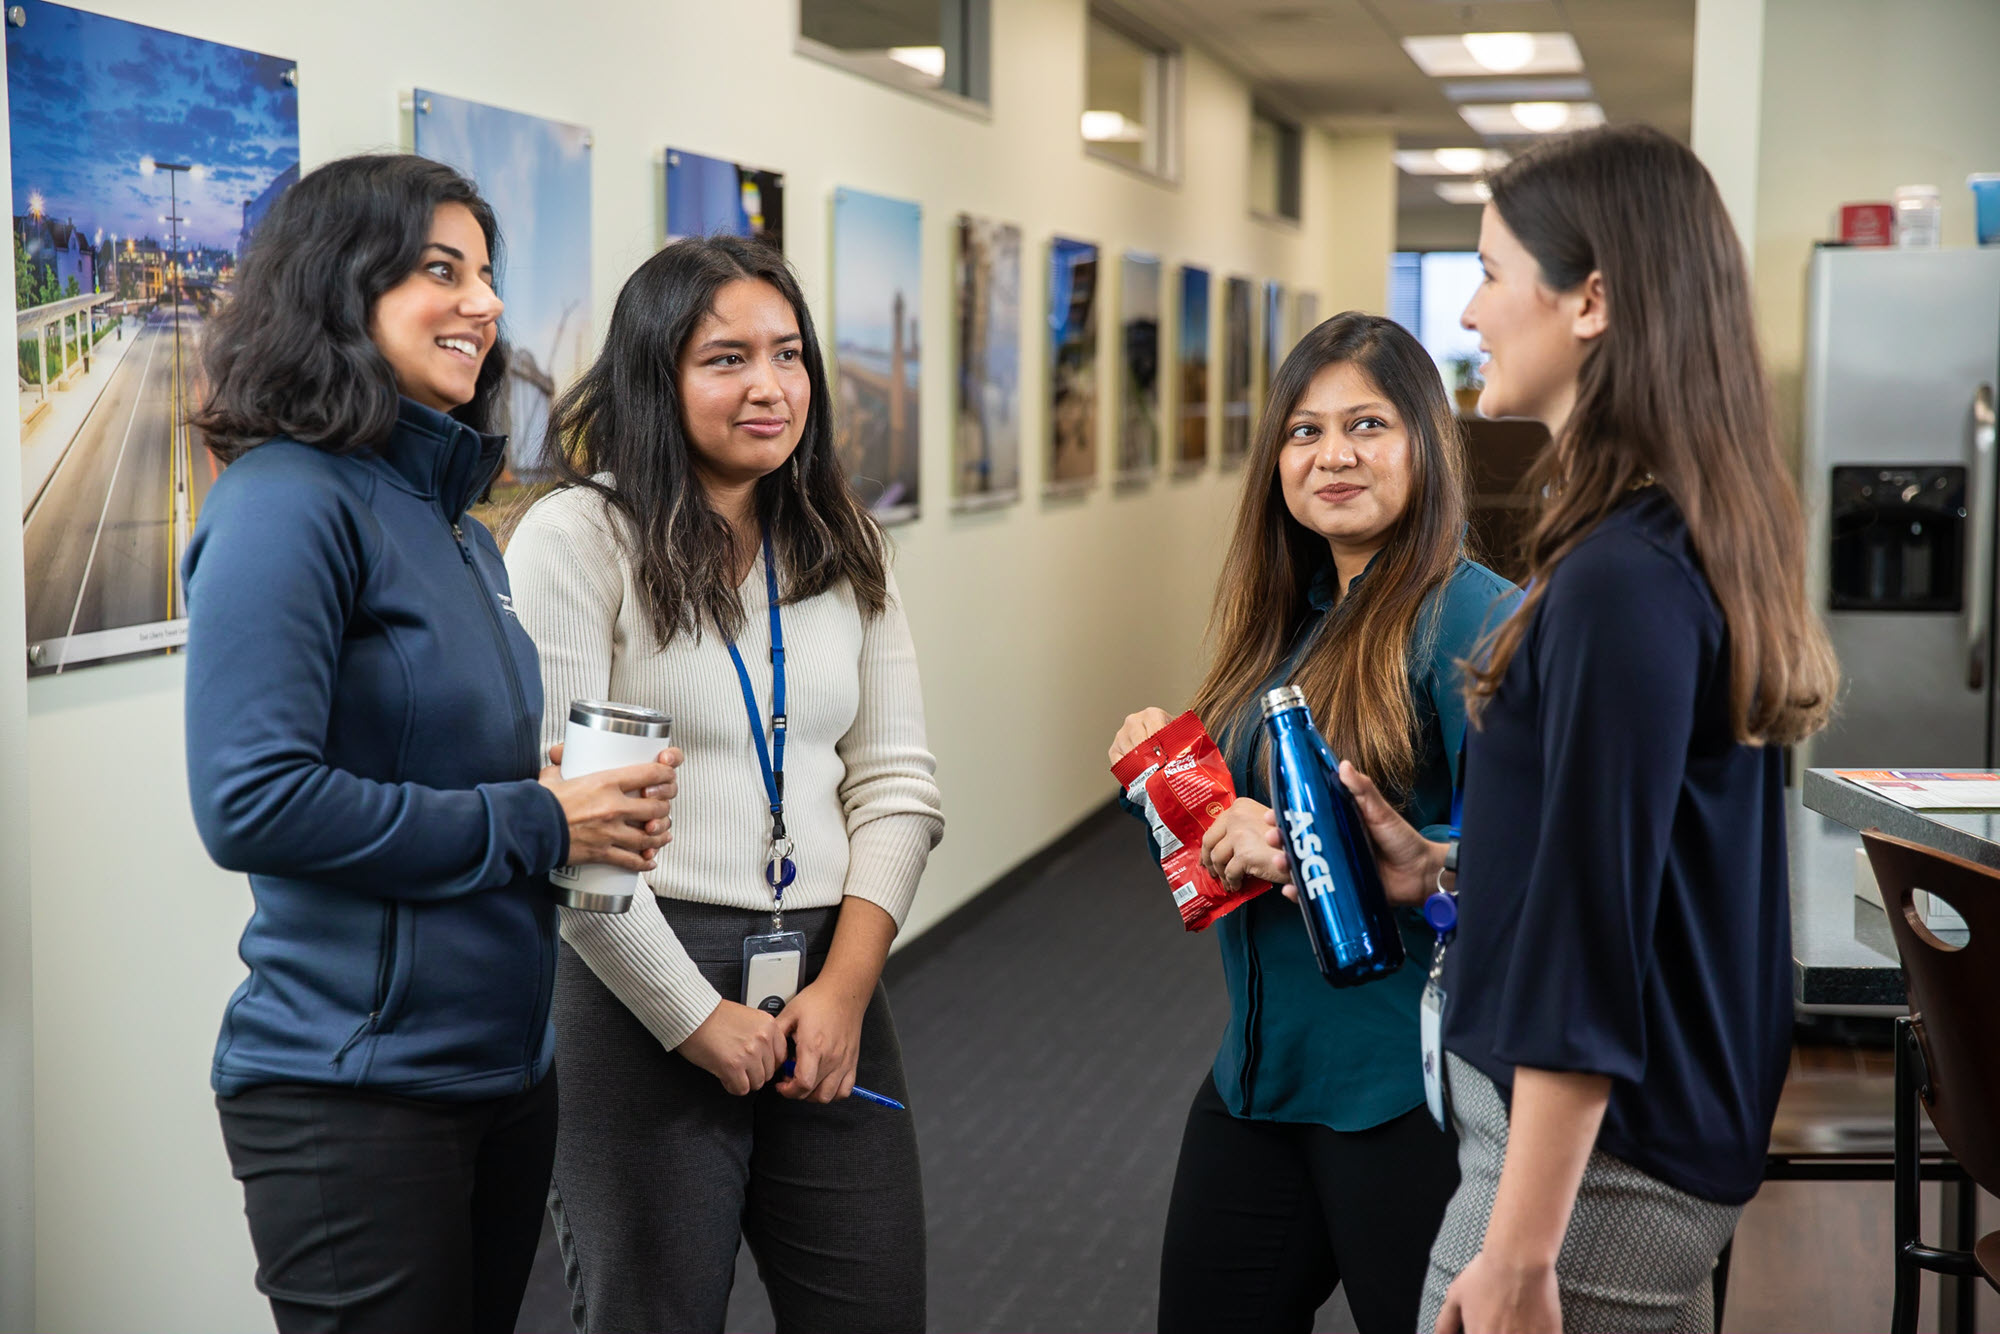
659 1171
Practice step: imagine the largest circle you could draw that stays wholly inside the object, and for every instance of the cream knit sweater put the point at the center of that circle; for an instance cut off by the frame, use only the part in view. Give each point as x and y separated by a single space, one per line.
861 803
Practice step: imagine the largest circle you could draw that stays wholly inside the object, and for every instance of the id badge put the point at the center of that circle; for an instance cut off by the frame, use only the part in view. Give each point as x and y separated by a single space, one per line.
773 967
1431 1024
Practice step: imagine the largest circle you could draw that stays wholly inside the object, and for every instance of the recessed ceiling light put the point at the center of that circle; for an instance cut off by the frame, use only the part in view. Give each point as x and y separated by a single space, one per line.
1453 55
1502 120
1464 192
1449 161
1501 52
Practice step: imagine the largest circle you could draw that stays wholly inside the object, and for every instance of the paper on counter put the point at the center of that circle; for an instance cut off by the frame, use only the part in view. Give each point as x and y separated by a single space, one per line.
1931 789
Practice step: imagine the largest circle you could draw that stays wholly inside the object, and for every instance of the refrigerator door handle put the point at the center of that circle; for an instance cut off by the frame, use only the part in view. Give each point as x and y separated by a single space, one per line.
1979 581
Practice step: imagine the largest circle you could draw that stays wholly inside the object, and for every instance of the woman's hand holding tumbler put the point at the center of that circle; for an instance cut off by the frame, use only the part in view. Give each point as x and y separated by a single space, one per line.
618 817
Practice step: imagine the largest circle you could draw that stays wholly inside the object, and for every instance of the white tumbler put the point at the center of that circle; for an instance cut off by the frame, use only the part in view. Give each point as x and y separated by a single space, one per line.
605 736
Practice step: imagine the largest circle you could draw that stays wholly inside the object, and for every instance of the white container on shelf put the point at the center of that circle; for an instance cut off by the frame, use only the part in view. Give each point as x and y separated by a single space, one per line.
1919 217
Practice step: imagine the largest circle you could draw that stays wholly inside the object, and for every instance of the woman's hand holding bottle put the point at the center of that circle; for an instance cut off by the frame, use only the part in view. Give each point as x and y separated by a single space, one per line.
617 817
1407 861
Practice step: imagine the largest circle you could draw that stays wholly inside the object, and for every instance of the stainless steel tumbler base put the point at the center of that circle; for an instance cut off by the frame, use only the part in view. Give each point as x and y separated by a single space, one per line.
585 901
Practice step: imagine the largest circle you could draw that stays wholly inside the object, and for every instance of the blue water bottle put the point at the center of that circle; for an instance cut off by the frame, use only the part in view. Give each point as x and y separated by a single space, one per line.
1348 919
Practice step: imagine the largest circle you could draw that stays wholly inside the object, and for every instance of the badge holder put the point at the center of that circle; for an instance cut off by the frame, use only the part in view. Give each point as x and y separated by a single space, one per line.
774 964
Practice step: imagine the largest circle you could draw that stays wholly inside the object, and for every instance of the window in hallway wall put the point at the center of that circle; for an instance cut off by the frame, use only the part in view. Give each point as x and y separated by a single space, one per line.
1427 294
1274 166
1131 95
936 48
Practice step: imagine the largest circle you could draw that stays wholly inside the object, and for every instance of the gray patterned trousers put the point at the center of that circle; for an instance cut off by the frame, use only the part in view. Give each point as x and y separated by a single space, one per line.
1638 1254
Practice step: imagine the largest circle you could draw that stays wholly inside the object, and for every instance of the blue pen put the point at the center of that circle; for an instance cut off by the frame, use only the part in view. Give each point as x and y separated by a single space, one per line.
866 1095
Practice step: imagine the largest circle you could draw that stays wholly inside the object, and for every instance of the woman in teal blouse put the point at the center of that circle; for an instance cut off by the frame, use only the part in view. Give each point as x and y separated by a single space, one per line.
1309 1160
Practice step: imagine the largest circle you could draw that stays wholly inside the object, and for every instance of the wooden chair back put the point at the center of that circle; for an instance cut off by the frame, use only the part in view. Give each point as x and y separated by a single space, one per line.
1954 993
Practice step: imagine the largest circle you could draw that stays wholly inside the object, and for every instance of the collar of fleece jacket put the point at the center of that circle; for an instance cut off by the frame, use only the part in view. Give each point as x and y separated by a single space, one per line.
441 458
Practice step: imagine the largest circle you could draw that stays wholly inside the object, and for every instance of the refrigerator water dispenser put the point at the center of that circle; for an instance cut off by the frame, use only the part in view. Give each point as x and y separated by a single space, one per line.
1898 539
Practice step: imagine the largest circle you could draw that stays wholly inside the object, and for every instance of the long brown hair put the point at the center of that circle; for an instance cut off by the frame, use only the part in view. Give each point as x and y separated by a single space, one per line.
623 417
1355 674
1673 390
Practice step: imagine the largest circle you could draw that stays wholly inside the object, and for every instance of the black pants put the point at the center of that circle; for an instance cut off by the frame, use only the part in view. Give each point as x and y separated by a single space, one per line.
373 1212
660 1170
1267 1218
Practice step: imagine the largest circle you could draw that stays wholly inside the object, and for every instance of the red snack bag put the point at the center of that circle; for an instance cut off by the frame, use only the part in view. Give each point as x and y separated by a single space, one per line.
1178 777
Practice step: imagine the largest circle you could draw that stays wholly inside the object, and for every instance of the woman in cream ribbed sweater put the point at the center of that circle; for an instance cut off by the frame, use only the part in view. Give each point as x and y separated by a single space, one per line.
701 464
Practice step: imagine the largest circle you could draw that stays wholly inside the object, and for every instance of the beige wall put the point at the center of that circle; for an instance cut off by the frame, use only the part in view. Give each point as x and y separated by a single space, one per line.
17 1052
1858 98
1038 626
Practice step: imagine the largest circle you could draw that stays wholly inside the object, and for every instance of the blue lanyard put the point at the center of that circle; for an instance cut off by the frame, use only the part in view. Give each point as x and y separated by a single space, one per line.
779 869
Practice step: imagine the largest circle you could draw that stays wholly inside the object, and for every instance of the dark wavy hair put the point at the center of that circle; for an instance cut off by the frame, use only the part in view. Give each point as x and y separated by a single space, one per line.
623 417
1355 674
290 353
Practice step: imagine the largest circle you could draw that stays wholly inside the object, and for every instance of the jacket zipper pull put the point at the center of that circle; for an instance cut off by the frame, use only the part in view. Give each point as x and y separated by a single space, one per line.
458 536
356 1036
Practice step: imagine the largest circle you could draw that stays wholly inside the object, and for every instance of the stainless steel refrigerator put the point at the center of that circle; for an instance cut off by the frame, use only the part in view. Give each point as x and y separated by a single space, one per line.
1899 480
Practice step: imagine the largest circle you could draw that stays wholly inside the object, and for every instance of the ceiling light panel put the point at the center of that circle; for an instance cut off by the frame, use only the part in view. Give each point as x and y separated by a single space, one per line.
1502 120
1463 55
1449 161
1464 192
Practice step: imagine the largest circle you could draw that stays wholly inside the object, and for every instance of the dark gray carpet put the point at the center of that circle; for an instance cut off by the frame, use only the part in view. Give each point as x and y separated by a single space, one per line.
1054 1032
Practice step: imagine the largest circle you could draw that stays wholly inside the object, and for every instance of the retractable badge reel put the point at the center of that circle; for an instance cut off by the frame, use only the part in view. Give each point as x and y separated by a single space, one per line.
1441 912
773 963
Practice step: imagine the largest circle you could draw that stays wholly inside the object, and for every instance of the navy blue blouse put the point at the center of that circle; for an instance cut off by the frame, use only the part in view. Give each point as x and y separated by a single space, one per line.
1623 900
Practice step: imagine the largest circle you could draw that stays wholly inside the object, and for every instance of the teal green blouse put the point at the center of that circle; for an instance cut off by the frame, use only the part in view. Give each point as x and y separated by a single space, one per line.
1297 1049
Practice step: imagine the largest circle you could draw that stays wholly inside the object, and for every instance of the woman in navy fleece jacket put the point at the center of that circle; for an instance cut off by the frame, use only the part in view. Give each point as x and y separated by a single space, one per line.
362 715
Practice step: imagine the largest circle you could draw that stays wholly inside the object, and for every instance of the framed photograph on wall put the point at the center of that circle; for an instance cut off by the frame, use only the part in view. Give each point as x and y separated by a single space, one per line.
536 174
1072 367
1306 310
1191 380
878 247
1237 387
708 196
986 443
143 162
1138 367
1277 335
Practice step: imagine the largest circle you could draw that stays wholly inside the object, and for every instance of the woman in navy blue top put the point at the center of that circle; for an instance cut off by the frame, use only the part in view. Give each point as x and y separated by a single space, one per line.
1308 1160
1617 1011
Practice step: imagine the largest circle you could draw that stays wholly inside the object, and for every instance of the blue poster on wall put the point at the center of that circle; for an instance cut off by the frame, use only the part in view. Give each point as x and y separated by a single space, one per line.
708 196
143 161
878 298
536 175
1072 367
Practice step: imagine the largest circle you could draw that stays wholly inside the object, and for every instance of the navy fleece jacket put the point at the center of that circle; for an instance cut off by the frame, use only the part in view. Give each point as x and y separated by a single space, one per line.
362 719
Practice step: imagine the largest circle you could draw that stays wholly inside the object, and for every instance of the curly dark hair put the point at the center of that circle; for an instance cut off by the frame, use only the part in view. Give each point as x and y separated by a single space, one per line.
623 417
290 353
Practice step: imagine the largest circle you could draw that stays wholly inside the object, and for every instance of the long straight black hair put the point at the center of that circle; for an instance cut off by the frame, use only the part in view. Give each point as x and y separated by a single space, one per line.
624 418
290 354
